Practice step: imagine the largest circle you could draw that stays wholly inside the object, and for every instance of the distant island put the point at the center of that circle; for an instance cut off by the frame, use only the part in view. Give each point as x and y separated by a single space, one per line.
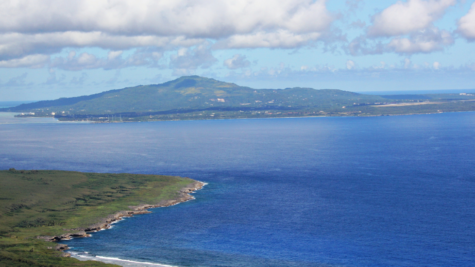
199 98
37 207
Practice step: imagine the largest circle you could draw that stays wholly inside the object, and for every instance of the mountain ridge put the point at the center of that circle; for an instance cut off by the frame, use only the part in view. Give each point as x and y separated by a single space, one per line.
195 97
185 92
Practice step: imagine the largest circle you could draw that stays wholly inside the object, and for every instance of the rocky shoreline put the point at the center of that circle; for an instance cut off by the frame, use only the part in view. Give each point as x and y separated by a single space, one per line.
105 223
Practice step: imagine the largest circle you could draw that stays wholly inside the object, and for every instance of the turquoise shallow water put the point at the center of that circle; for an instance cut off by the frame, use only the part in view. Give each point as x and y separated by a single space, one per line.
380 191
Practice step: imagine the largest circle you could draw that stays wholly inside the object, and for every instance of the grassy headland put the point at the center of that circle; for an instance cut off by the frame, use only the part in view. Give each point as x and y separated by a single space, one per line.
199 98
37 206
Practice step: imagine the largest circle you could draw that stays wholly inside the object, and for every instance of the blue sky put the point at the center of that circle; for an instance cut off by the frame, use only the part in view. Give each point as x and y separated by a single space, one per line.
52 48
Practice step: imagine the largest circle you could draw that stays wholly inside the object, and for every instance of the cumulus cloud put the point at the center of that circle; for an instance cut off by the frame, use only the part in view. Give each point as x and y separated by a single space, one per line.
405 28
407 17
196 18
466 25
362 46
236 62
148 56
192 58
405 71
73 62
47 26
15 45
425 41
114 54
142 57
30 61
350 64
276 39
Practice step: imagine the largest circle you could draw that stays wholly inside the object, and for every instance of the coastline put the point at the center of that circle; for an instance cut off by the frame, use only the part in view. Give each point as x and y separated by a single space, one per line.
244 118
117 261
184 195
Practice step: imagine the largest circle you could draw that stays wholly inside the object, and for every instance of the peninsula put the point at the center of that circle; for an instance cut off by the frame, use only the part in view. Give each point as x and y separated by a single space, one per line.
39 207
199 98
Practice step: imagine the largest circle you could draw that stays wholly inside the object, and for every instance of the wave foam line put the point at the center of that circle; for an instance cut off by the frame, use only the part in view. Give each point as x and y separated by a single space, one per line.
117 261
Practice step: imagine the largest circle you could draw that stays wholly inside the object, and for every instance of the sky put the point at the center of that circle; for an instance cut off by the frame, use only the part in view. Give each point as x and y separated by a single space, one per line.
55 48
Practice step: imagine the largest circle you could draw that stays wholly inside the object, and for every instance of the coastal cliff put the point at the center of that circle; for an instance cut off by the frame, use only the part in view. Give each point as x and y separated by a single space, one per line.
105 223
38 207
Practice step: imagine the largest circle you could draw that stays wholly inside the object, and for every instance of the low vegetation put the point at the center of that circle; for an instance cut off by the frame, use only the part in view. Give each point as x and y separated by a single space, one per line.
199 98
51 203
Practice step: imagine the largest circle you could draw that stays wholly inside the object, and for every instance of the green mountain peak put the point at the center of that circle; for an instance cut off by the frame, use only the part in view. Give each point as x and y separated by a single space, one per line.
196 97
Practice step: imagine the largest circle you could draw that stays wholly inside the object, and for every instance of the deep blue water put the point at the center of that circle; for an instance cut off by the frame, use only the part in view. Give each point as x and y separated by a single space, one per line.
378 191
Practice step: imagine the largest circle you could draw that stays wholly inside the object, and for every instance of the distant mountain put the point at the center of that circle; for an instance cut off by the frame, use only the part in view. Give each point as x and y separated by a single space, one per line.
194 97
193 92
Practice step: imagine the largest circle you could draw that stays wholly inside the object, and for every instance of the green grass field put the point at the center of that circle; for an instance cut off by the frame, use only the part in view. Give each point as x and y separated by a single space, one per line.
51 203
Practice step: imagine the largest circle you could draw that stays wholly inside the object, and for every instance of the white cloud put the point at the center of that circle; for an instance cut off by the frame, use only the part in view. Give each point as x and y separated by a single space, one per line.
14 45
436 65
47 26
236 62
350 64
114 60
425 41
114 54
363 46
466 25
86 59
73 62
405 73
276 39
198 18
382 66
31 61
407 17
409 26
192 58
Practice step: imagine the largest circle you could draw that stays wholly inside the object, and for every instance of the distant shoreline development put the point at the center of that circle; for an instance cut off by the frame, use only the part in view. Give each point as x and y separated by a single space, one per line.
198 98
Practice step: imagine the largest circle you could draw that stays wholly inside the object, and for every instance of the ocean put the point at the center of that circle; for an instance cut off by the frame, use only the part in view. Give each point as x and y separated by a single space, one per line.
329 191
